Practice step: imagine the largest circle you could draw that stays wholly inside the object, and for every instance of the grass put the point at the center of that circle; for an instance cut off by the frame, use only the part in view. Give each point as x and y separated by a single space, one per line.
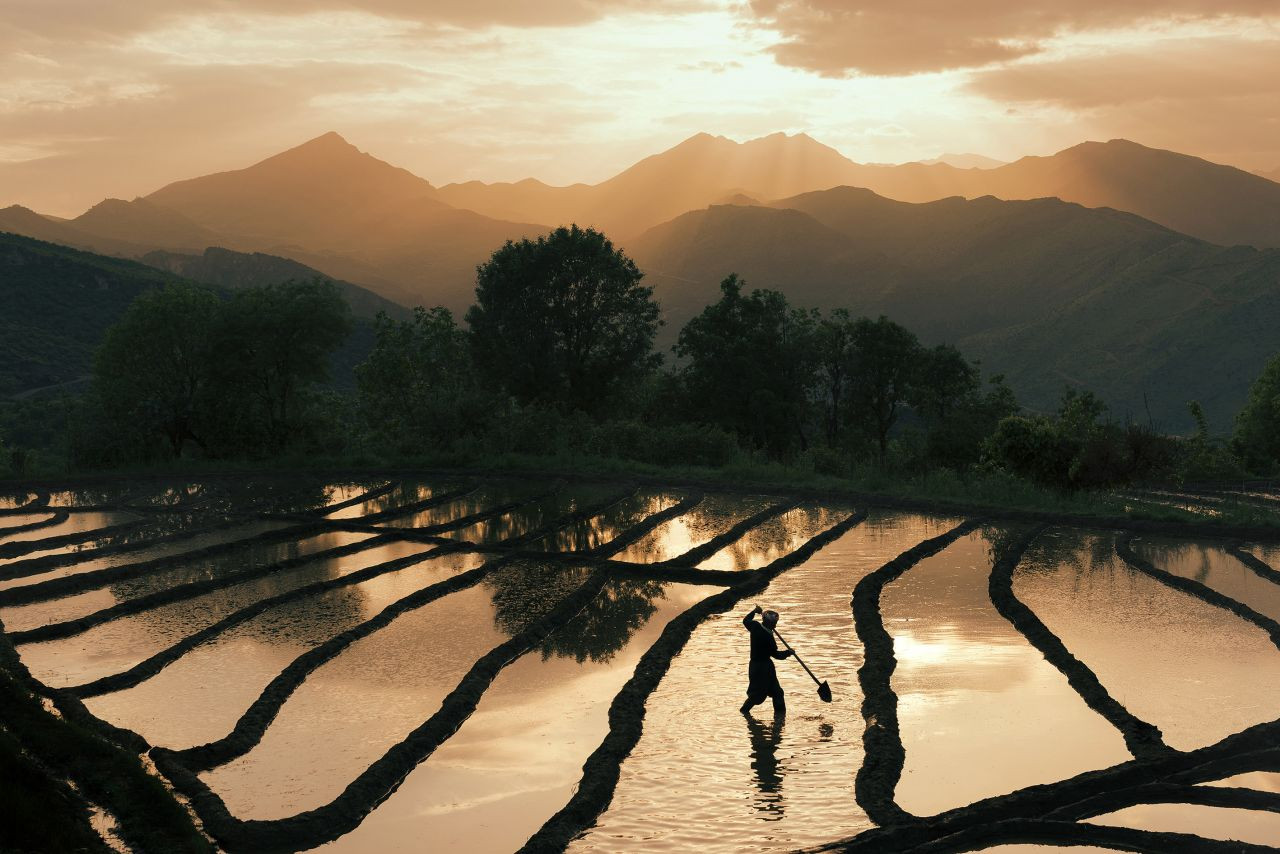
973 492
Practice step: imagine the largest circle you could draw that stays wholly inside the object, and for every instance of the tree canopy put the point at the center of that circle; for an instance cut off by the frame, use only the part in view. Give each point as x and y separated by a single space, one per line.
563 320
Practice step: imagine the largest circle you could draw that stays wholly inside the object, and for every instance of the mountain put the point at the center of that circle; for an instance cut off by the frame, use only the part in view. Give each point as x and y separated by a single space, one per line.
699 171
1048 292
235 270
1273 175
143 223
330 206
1217 203
16 219
314 194
965 161
59 303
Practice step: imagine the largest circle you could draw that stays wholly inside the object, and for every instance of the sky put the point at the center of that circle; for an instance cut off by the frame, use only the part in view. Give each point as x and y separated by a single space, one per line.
115 99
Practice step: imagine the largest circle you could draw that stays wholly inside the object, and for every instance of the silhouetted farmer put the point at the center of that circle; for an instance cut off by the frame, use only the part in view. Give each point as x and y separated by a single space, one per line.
764 649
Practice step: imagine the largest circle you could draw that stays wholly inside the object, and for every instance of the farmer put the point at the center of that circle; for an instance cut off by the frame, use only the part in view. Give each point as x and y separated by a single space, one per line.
764 649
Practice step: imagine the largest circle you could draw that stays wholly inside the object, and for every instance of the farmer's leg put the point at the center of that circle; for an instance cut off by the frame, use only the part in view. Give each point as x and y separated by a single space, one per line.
779 701
754 698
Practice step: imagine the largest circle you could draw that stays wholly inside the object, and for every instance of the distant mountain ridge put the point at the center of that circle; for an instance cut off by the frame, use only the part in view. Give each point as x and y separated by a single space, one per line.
1048 292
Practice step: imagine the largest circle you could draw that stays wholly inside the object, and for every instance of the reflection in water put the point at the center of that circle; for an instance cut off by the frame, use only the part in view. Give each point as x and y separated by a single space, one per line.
714 515
1238 825
980 711
121 643
199 697
689 784
776 537
517 759
765 738
1196 671
1215 568
604 527
596 633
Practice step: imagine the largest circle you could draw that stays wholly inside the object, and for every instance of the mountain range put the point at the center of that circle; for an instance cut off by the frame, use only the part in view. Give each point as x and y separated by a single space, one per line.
1029 265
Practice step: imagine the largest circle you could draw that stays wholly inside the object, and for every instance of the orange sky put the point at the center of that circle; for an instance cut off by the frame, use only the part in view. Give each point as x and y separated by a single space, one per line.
116 99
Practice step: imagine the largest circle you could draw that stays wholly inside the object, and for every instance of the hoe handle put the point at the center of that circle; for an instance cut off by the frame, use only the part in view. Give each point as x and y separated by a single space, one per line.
797 658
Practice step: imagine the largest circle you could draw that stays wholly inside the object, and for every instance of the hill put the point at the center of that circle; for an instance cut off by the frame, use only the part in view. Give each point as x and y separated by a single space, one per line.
234 270
1217 203
143 223
1047 292
58 304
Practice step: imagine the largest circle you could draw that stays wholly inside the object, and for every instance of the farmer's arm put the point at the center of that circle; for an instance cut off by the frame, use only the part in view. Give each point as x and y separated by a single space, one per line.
783 653
751 616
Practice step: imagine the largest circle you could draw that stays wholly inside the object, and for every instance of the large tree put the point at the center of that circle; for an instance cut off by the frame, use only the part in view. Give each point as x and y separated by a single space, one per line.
563 320
152 371
748 366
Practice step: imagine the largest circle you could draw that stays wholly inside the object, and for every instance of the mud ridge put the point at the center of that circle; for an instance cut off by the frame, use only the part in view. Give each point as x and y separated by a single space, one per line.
367 495
882 743
627 711
377 782
18 549
1142 738
638 531
68 628
78 583
144 670
252 725
149 667
1068 833
37 565
56 519
1089 794
700 553
1124 548
1255 563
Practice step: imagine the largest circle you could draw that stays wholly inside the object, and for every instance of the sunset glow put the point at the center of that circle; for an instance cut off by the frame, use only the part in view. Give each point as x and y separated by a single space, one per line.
119 99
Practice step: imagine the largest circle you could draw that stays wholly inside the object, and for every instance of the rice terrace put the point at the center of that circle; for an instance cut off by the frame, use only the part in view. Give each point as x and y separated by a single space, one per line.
479 662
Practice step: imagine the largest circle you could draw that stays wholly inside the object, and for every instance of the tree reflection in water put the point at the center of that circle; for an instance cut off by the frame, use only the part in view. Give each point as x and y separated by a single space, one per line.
523 594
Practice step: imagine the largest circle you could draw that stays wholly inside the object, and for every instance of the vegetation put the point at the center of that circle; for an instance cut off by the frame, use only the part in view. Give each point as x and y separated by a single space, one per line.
557 362
229 376
563 321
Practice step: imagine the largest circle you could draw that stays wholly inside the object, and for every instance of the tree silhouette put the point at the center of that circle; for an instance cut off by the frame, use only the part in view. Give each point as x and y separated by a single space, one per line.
563 320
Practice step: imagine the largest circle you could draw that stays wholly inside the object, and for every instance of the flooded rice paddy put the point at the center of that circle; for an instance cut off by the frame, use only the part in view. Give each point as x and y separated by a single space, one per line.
487 664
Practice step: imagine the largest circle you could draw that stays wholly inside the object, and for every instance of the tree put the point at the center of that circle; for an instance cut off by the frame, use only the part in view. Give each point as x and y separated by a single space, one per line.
833 353
1257 431
418 386
563 320
152 371
944 380
749 365
271 343
885 359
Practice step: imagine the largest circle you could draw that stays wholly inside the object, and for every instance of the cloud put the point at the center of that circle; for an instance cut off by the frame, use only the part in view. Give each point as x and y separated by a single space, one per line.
96 19
837 38
1218 97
